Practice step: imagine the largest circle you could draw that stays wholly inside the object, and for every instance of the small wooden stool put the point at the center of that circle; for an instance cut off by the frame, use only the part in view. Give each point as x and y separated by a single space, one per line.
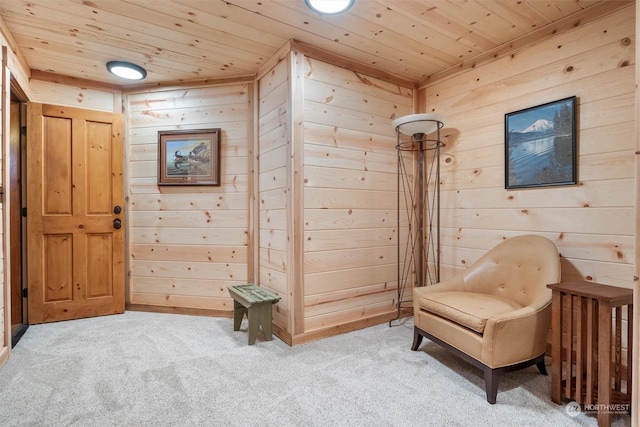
256 303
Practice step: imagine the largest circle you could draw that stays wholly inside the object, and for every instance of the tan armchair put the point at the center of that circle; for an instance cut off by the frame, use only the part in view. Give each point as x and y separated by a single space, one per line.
496 314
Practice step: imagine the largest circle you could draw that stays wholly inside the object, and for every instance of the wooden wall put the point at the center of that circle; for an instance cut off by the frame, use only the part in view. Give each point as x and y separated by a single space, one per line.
327 195
5 318
350 188
273 152
325 233
187 243
592 223
77 96
635 399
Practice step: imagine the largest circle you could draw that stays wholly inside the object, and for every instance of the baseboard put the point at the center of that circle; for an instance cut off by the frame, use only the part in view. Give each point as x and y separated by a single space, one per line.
283 335
4 355
179 310
344 328
277 330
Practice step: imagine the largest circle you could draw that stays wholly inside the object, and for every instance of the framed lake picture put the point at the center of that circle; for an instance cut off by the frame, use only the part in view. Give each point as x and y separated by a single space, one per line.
540 145
189 157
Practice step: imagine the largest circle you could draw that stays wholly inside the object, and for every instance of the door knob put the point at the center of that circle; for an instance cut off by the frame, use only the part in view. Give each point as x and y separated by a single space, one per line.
117 209
117 223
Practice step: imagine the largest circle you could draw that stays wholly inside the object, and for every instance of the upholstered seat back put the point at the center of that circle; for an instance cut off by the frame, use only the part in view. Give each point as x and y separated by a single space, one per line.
517 269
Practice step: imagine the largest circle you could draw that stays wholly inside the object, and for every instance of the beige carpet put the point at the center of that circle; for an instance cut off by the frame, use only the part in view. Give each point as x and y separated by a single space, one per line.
148 369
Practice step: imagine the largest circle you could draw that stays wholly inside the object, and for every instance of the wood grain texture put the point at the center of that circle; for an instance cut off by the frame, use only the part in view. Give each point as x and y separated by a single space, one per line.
76 171
274 210
592 223
635 398
348 164
5 281
178 42
350 202
186 244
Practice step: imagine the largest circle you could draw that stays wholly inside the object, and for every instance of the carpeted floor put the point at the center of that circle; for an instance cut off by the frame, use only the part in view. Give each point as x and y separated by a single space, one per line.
150 369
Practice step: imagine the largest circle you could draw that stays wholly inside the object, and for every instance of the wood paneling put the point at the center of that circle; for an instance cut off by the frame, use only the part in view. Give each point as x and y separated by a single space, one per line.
74 96
5 286
274 166
592 223
327 194
350 202
635 398
473 158
178 41
187 243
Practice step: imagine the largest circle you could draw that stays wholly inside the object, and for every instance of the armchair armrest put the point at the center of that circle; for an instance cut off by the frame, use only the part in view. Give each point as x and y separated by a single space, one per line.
517 336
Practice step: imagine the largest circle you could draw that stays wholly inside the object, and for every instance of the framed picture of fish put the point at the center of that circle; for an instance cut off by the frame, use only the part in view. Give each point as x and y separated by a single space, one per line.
189 157
540 145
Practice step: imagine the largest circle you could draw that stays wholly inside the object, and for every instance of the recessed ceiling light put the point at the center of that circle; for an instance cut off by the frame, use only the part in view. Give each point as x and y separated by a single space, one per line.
329 6
126 70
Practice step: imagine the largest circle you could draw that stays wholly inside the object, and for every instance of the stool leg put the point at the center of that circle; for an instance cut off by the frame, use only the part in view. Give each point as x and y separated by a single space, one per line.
254 323
266 321
238 313
260 314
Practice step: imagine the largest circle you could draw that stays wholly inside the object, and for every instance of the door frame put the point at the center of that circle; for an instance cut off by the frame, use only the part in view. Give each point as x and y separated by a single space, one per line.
12 90
5 98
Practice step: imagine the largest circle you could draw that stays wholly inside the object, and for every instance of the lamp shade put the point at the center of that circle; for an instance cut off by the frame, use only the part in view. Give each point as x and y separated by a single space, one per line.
418 123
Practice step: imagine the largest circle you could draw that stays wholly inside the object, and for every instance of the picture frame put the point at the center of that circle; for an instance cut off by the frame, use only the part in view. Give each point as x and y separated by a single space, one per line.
189 157
540 145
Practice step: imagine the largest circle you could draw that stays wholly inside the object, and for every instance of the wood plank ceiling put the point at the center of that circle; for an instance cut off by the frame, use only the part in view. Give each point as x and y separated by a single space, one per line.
182 40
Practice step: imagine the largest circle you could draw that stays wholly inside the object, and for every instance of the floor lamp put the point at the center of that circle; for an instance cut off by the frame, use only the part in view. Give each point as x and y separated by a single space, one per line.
418 149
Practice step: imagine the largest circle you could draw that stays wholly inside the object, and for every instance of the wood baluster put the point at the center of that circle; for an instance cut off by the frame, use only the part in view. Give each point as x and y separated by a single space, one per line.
569 340
591 337
617 351
581 312
629 348
604 361
556 347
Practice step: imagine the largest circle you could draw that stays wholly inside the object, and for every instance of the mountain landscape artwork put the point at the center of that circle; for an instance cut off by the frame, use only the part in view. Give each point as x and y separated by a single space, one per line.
540 145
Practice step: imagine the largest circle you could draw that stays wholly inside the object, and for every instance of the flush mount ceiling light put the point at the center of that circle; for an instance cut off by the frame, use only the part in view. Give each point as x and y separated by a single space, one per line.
126 70
329 7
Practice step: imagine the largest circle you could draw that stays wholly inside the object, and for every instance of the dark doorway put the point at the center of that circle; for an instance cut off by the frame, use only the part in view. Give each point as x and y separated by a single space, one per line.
15 202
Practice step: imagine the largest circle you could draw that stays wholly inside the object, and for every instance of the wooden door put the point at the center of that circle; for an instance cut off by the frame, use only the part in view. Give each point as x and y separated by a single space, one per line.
75 197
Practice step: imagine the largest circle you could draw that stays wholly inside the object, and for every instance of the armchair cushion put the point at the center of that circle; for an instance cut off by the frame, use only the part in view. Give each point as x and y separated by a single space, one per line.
468 309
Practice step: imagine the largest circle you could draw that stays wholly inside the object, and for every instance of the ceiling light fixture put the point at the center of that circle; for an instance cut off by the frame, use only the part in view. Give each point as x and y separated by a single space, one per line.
329 7
126 70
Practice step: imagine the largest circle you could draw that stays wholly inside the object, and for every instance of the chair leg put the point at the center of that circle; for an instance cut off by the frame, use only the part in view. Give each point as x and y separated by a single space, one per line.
491 377
417 339
542 368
